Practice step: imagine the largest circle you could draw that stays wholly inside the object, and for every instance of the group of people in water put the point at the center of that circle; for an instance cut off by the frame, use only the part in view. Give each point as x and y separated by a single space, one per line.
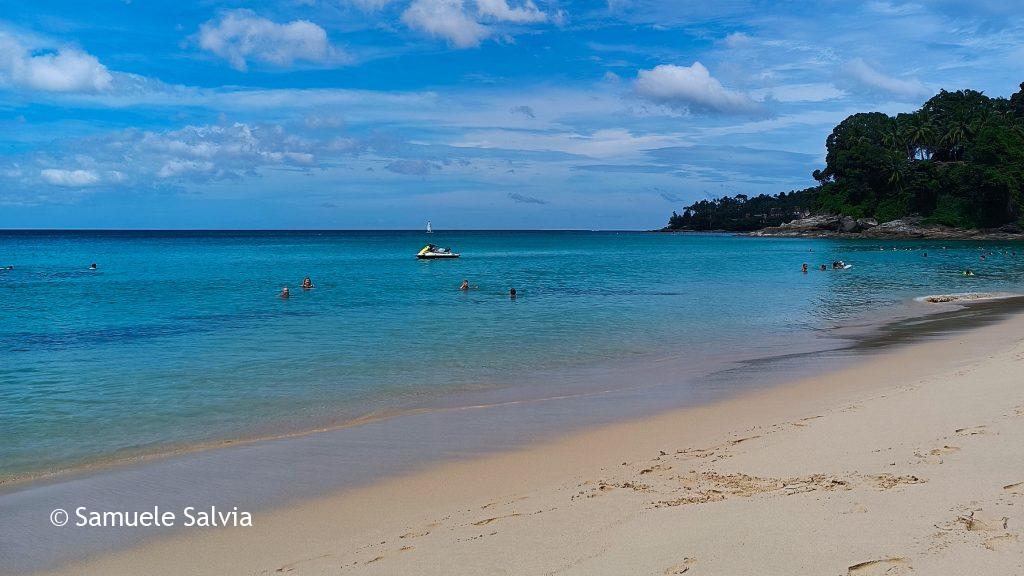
307 284
836 265
465 287
840 265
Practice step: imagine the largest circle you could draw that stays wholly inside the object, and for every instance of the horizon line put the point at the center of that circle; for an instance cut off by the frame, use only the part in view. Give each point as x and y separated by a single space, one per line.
435 231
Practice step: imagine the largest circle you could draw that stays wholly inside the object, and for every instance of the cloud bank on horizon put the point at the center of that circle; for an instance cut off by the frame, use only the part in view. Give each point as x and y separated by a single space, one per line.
474 113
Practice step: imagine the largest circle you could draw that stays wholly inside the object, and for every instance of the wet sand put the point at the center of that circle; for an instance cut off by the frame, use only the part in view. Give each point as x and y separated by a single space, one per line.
905 462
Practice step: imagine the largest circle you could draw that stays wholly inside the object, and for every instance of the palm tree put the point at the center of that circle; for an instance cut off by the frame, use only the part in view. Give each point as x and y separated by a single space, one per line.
896 166
921 134
893 136
959 128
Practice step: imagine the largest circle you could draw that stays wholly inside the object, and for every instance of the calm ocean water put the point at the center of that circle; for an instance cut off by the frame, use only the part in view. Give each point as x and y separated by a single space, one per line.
179 338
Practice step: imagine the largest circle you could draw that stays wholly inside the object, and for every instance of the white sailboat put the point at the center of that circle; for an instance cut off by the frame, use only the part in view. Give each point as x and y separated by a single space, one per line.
429 229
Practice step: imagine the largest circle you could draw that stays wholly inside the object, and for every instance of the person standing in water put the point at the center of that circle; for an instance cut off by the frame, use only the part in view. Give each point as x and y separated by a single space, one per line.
805 268
284 293
465 286
307 283
512 293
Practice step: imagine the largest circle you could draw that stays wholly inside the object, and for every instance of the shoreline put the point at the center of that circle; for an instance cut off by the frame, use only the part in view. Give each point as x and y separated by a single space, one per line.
855 337
774 232
746 461
741 408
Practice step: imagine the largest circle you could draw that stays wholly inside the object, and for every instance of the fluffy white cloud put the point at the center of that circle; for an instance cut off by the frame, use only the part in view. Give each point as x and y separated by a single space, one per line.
737 40
867 77
692 88
31 63
70 178
467 23
446 19
240 36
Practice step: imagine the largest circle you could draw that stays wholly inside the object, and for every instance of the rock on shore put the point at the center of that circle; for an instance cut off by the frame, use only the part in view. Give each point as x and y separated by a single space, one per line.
838 226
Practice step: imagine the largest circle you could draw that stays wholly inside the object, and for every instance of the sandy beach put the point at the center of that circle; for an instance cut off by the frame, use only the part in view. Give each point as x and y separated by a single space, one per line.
906 463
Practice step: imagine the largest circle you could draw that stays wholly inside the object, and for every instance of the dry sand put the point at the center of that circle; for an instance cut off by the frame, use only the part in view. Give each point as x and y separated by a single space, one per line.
911 462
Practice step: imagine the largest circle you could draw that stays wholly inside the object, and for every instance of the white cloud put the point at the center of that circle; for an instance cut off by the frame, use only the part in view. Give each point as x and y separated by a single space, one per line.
892 9
467 23
176 167
39 65
193 153
500 10
240 36
70 178
867 77
446 19
737 40
810 92
369 5
693 88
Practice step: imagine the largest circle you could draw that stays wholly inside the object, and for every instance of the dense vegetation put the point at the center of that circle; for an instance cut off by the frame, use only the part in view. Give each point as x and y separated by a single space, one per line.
958 161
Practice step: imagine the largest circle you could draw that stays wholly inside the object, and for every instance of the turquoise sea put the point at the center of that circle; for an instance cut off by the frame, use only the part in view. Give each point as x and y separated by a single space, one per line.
179 339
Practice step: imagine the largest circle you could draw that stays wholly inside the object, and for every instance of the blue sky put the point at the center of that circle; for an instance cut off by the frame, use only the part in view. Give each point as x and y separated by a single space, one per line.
471 113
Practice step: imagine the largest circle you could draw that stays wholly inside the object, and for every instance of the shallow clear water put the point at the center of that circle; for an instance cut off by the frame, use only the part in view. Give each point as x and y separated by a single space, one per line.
179 338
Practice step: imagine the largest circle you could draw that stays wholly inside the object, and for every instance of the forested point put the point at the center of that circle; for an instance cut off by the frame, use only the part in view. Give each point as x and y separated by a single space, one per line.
957 161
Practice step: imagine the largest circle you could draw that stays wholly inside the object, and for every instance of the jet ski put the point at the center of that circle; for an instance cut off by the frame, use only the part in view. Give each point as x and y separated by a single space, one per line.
430 251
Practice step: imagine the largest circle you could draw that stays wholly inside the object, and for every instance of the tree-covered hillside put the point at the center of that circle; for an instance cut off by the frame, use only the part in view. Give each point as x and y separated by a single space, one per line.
958 161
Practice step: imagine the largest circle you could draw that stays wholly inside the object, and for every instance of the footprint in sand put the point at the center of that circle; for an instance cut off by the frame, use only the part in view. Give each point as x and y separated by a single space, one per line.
975 523
857 508
1017 488
934 456
380 557
696 452
1001 542
512 501
804 421
681 567
971 430
738 440
884 567
487 521
421 532
887 481
326 558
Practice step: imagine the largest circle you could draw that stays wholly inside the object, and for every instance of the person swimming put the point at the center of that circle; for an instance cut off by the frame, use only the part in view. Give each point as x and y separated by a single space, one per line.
804 268
968 272
512 293
92 266
285 293
307 283
465 286
824 268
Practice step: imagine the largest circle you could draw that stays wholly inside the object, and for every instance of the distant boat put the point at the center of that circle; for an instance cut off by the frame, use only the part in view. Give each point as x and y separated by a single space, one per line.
429 229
